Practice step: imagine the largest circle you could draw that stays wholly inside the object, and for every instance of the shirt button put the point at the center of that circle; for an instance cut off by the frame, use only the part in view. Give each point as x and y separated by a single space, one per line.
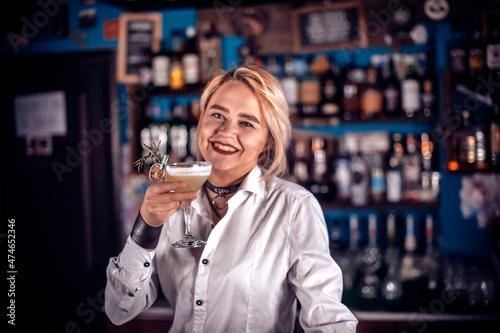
204 261
198 302
146 264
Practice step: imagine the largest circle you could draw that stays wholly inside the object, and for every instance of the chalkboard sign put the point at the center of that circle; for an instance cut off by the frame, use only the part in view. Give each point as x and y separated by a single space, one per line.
340 25
139 38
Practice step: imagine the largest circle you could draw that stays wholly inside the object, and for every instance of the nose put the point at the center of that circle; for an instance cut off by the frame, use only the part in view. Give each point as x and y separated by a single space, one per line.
227 128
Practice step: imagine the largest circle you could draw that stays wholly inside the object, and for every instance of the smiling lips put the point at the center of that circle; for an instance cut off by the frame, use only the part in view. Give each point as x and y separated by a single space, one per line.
224 149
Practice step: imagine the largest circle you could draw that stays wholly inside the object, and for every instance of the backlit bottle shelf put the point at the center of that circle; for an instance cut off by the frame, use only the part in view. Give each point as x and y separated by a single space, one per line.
402 126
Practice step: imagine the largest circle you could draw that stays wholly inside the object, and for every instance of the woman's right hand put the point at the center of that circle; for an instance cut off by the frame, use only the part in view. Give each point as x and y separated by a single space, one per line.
160 202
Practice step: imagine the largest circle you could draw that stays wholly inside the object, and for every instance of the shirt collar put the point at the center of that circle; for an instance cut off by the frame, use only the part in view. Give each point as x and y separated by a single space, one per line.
253 182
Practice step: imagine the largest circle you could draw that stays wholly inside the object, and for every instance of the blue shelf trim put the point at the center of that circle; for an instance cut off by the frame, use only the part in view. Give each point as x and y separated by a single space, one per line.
392 127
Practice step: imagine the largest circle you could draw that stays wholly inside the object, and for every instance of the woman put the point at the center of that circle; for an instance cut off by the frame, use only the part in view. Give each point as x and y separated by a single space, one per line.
267 242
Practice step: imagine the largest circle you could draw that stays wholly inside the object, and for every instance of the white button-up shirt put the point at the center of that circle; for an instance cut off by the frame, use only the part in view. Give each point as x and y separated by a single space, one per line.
270 249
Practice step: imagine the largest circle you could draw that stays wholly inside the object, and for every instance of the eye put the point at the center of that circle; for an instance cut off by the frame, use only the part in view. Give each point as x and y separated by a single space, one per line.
217 115
246 124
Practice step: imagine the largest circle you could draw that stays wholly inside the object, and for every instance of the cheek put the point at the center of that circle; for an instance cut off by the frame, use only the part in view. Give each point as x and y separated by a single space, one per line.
201 139
256 143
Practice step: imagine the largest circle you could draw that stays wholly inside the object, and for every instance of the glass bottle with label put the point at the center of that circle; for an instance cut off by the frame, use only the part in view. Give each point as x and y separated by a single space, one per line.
179 135
392 289
412 275
360 180
191 58
309 92
342 175
394 174
429 190
351 262
369 288
410 91
371 96
290 86
353 77
176 71
330 94
466 140
411 170
493 44
481 147
210 51
320 183
378 184
160 65
457 52
392 91
429 89
430 261
300 164
476 51
494 135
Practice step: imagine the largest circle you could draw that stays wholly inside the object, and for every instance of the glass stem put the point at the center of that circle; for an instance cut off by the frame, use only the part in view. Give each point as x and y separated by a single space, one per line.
187 219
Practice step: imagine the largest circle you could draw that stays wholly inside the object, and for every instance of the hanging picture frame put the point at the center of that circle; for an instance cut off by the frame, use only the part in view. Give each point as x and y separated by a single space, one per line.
139 38
334 26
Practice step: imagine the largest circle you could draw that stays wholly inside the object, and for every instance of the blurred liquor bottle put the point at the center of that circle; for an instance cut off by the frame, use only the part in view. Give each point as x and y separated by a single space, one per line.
412 275
410 90
411 170
378 185
160 66
191 58
429 84
494 132
392 288
300 164
394 173
369 287
330 106
352 79
320 184
360 179
210 51
176 69
309 92
430 261
351 263
392 91
371 101
466 140
290 85
342 175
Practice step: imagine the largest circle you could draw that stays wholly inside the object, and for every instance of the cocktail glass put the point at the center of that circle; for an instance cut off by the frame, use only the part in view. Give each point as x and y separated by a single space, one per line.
194 175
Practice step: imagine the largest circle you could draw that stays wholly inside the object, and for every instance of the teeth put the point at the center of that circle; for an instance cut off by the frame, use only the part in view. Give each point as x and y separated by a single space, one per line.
225 148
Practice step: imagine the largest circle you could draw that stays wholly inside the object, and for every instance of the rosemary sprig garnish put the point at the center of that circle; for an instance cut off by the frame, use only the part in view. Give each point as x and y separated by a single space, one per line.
153 152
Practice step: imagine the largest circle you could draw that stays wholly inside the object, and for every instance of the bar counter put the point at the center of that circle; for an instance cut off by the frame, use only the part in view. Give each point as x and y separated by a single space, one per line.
159 318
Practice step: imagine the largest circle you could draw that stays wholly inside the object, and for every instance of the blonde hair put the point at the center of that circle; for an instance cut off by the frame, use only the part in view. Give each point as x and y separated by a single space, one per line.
274 109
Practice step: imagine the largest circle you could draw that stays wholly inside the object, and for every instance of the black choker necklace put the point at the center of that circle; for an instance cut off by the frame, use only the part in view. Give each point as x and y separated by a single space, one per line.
221 193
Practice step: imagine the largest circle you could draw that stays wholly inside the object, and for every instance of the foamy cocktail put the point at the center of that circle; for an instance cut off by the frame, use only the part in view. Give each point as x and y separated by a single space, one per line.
193 182
194 175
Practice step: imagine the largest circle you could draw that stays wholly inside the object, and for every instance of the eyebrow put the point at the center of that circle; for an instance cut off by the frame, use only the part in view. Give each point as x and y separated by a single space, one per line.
246 116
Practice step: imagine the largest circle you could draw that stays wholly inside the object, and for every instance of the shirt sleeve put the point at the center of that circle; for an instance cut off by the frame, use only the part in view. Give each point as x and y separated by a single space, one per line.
314 275
131 283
